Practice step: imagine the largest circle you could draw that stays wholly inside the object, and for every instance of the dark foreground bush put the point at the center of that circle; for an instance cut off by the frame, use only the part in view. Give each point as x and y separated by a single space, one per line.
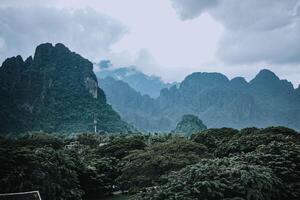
143 168
240 143
218 179
284 160
213 137
51 172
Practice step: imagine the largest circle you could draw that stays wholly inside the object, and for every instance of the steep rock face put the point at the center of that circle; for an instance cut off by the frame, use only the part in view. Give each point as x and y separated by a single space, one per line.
54 91
277 98
266 84
188 125
211 97
264 101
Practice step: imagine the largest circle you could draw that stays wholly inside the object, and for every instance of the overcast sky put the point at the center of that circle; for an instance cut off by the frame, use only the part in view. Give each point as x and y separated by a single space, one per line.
168 38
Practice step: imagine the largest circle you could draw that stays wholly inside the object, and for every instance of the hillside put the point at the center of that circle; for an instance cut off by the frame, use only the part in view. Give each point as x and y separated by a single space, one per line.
264 101
188 125
55 91
134 108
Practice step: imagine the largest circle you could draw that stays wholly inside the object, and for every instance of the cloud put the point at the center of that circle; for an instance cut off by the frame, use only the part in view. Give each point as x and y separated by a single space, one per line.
189 9
255 31
82 30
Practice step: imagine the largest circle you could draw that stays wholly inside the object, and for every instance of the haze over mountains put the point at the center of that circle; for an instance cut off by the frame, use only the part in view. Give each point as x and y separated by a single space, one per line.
217 101
139 81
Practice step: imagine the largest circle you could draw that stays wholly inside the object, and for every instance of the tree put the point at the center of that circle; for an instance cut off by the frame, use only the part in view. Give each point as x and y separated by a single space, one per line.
284 160
120 146
244 143
216 179
45 169
143 168
97 177
214 137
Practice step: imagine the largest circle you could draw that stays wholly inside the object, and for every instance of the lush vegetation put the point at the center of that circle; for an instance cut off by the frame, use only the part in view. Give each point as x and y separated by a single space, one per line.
144 168
250 164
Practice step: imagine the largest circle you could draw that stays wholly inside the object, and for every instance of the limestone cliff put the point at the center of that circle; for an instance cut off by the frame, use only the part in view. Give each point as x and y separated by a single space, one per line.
55 91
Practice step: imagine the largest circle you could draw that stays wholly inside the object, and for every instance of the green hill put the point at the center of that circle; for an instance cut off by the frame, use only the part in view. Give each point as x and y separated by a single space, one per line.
55 91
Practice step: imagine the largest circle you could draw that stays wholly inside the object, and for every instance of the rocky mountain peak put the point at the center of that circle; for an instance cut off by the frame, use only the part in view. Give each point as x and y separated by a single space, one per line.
48 49
13 62
267 80
265 75
57 92
203 79
238 83
28 61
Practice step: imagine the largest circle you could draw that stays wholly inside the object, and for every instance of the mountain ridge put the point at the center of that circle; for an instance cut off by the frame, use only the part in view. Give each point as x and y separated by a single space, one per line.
56 90
265 100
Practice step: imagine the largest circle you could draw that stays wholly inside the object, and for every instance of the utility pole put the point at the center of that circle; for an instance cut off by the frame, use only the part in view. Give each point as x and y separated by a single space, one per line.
95 124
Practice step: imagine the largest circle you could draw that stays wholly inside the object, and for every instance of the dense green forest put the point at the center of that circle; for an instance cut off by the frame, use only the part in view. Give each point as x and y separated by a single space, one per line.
250 164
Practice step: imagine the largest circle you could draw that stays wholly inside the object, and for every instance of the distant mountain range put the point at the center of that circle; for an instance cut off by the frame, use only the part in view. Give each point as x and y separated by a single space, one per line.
139 81
54 91
217 101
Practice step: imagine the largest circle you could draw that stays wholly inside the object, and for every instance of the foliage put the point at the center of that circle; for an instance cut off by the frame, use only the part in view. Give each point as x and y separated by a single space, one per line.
215 179
59 169
98 175
44 169
89 139
279 130
251 164
243 143
143 168
212 138
284 160
120 146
